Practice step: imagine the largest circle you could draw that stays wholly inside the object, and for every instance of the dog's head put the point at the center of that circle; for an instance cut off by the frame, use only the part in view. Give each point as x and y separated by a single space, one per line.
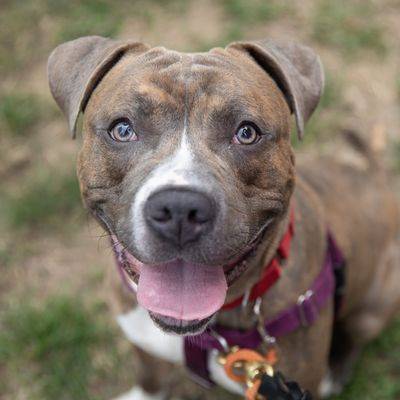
186 159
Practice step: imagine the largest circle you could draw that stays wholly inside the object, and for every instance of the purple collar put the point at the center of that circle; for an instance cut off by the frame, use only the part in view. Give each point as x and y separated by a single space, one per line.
302 314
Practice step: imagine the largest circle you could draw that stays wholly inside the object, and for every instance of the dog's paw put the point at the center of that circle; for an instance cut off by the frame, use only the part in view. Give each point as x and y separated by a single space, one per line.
137 393
329 386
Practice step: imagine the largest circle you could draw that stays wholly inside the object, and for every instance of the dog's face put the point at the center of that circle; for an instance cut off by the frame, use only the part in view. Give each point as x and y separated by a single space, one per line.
187 163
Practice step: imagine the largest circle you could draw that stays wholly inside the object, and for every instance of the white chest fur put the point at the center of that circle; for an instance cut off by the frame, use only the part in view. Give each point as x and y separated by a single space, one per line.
141 331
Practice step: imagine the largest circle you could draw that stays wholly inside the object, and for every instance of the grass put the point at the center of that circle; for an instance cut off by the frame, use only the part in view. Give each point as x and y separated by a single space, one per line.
318 128
398 88
244 14
54 346
81 18
349 26
241 16
395 150
332 97
19 32
44 203
20 113
377 373
251 11
29 29
324 122
50 349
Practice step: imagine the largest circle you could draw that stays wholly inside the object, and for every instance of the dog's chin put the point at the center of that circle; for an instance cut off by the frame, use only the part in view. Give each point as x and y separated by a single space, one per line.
180 327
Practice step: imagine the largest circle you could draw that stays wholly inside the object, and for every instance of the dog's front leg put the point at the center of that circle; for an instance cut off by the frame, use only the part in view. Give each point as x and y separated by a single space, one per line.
155 354
154 378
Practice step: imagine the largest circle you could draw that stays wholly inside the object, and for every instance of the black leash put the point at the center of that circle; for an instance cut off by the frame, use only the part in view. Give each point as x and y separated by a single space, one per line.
277 388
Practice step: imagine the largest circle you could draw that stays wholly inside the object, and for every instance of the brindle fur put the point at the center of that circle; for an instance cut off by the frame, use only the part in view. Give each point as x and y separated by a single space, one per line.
210 93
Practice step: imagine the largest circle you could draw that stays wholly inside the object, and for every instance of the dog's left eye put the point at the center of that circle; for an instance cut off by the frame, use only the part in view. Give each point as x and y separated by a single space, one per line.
246 134
122 132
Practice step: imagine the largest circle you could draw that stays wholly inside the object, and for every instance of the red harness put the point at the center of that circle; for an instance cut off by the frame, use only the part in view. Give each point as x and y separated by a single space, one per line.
271 273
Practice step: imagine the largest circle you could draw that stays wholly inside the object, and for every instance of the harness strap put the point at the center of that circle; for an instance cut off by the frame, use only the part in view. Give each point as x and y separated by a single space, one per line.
302 314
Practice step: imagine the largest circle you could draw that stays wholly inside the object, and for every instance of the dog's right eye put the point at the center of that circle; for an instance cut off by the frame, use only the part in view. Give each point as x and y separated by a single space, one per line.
122 132
247 134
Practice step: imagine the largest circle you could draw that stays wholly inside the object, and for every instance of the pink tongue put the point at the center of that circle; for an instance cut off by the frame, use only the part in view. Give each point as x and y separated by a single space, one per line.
181 290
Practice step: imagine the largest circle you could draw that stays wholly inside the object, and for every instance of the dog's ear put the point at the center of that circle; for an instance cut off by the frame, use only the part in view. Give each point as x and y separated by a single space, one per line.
76 67
296 69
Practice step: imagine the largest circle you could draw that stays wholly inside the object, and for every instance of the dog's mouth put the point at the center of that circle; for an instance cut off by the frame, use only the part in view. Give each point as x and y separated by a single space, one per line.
182 297
179 326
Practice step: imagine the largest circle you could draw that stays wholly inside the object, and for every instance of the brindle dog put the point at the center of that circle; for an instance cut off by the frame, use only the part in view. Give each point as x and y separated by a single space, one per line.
187 162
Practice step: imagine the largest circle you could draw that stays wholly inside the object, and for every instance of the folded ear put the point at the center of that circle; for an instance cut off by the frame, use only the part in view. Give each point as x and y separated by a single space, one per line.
296 69
75 68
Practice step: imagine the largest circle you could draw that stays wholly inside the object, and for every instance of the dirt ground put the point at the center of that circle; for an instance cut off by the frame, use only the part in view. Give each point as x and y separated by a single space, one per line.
53 258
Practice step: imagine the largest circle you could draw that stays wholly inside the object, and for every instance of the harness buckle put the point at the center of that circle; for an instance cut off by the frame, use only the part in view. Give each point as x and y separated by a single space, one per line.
307 308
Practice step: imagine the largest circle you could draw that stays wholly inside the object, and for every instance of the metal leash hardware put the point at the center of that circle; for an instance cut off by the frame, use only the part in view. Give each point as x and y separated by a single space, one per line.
248 366
268 340
245 366
274 386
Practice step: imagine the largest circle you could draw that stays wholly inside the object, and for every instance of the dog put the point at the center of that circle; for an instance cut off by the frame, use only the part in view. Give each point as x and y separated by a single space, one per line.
187 163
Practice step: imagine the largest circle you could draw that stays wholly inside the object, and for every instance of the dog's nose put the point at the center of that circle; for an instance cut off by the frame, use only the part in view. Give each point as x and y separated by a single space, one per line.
179 216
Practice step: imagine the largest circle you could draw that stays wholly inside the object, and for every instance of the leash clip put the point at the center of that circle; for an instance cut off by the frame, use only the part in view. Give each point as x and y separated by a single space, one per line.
266 337
221 340
248 366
